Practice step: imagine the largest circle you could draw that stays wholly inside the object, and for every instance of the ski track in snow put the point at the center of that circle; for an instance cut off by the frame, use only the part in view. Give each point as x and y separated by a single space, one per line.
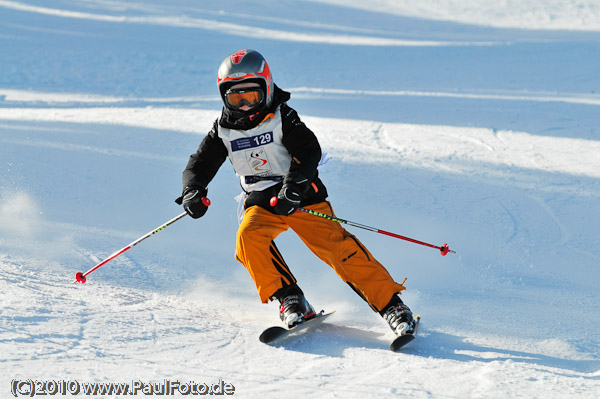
85 170
152 336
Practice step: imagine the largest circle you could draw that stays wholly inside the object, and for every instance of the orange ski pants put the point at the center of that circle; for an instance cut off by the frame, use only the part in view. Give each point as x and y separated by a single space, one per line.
328 240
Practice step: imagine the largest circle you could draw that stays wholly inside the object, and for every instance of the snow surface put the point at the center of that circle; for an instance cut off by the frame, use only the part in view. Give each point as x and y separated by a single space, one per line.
522 14
476 125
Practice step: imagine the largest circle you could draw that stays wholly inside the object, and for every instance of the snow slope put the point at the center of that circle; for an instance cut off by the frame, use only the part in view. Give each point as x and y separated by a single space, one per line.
451 127
530 14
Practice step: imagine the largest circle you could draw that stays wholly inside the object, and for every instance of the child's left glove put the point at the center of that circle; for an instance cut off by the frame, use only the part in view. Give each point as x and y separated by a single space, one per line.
288 199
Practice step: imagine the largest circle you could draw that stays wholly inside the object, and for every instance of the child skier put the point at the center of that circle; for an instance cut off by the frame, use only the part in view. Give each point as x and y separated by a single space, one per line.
276 155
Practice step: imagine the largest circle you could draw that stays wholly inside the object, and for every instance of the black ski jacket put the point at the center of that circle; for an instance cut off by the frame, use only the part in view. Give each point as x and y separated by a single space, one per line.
299 140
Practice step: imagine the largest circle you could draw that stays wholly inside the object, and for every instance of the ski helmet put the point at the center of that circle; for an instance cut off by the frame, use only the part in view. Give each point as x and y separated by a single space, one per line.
245 66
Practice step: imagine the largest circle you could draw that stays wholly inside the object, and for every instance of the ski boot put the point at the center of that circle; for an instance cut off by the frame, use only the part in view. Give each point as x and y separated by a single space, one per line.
398 316
294 308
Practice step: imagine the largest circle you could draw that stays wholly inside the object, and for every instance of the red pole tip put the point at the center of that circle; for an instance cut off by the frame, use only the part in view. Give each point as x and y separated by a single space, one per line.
273 201
205 201
80 278
444 249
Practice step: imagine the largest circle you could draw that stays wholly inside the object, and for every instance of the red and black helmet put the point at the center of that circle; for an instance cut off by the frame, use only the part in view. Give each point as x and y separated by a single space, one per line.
245 66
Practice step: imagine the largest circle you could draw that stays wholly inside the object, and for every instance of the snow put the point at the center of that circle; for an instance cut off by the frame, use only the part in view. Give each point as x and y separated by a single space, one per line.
471 123
530 14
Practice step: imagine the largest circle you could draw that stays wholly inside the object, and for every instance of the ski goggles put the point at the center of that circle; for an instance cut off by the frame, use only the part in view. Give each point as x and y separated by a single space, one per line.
251 96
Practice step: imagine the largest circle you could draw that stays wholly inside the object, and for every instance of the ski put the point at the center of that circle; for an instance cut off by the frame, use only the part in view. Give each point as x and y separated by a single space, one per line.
277 333
402 340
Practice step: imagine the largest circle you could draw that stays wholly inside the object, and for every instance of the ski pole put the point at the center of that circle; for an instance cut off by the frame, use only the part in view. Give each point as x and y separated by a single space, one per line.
81 277
444 249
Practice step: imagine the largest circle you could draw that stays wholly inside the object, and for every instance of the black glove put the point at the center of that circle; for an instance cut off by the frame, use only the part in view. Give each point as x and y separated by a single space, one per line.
288 199
192 201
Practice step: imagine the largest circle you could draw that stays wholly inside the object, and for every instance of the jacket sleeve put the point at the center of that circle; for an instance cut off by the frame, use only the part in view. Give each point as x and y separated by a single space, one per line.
303 146
205 162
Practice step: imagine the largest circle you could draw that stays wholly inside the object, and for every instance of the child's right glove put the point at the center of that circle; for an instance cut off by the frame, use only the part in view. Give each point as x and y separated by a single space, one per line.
192 201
